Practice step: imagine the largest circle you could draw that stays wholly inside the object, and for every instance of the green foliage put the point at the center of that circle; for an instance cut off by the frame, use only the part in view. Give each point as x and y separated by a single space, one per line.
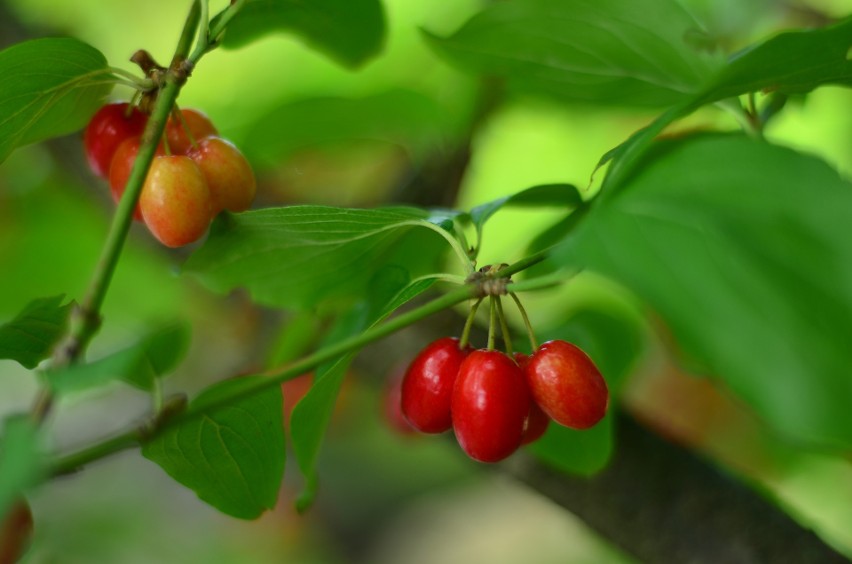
349 31
613 343
599 51
742 248
300 256
390 288
152 357
50 87
402 117
29 338
22 463
232 455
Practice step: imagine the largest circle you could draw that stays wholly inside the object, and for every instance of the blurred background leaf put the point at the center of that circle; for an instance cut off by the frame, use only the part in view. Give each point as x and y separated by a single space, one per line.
30 336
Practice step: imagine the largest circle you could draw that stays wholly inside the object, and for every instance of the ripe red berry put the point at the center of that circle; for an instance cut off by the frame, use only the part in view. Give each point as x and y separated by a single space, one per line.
427 388
175 201
110 125
122 165
567 385
537 421
229 175
490 405
199 126
16 528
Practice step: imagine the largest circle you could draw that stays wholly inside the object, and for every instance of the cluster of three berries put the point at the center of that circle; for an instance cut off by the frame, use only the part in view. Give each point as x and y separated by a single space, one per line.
495 403
194 175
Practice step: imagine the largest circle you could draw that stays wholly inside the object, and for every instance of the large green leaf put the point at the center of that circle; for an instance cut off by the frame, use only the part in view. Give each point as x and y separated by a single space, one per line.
231 456
792 62
30 337
599 51
614 343
390 288
349 31
152 357
22 460
405 118
742 248
299 256
50 87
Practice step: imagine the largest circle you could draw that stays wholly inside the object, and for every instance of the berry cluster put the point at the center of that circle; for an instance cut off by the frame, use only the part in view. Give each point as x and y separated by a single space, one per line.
194 175
495 402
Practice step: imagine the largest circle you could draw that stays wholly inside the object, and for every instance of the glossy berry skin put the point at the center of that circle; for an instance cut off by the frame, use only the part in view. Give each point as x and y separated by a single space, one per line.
175 201
537 421
106 130
228 174
567 385
490 405
16 529
122 164
427 388
199 125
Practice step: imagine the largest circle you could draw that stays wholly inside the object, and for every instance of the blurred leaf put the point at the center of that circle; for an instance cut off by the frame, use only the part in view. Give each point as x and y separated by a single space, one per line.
750 266
599 51
402 117
613 343
792 62
232 456
349 31
22 463
299 256
546 195
30 337
389 290
153 356
50 87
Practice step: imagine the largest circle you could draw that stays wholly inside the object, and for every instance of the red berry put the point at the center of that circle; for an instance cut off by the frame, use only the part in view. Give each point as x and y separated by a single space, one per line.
119 171
567 385
175 201
393 407
535 425
110 125
490 405
427 388
16 528
199 125
229 175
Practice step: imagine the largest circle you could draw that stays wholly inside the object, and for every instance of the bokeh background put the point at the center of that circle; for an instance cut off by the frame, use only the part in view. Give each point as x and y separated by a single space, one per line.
361 138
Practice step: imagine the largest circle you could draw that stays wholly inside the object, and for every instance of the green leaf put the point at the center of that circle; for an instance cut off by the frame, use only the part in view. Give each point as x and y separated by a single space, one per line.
546 195
232 456
614 343
349 31
599 51
300 256
22 461
50 87
152 357
390 289
30 337
792 62
400 117
750 266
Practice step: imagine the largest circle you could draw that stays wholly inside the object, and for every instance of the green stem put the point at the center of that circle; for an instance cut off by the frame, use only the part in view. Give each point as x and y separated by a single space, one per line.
527 324
524 263
468 324
210 36
504 326
492 322
190 27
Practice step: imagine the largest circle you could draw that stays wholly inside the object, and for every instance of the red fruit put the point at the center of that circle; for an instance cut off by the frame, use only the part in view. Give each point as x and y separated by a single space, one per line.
229 175
16 528
567 385
427 388
393 408
490 405
110 125
199 125
535 425
175 201
122 164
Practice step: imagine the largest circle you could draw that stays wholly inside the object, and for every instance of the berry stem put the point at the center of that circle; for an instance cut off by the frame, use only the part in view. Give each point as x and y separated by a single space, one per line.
527 324
468 324
504 326
492 323
177 115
